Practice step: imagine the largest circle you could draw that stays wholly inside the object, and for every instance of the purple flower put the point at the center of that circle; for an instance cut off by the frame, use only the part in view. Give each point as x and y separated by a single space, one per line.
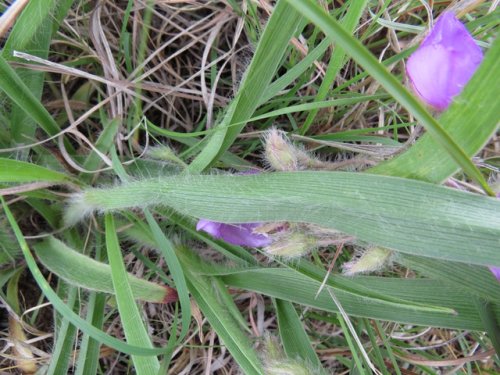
236 234
444 63
496 272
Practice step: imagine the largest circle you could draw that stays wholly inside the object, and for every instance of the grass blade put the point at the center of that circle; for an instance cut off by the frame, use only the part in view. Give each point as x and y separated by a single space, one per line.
337 60
62 260
65 339
167 250
28 26
274 41
20 171
34 19
473 279
453 308
135 332
207 292
19 93
293 336
88 356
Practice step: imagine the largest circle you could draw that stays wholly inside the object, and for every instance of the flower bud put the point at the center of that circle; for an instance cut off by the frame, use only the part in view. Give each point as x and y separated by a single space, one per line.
279 152
165 153
374 259
291 245
276 362
288 367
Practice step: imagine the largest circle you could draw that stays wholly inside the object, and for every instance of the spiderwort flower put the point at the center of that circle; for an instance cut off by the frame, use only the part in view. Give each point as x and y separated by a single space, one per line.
236 234
444 62
496 272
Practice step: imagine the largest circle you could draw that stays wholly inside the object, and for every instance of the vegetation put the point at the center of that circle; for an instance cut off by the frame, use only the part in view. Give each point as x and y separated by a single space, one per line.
125 122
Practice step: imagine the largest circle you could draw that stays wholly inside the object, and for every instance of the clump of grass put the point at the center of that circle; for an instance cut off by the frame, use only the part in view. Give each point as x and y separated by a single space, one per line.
127 93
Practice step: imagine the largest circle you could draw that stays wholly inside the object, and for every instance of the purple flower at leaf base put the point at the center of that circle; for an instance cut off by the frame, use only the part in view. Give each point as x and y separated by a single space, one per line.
236 234
444 62
496 272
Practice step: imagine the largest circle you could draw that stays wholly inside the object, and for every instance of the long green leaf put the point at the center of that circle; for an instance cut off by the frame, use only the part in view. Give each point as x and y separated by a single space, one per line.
28 26
207 292
293 336
349 22
358 52
167 250
80 270
20 171
35 18
64 340
134 328
19 93
405 215
89 353
292 286
473 279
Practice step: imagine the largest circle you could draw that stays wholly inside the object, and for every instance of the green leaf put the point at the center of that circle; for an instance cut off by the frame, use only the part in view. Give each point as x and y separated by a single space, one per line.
16 89
89 353
28 26
167 250
20 171
337 60
473 279
19 93
134 328
405 215
80 270
64 339
207 292
293 336
36 19
452 307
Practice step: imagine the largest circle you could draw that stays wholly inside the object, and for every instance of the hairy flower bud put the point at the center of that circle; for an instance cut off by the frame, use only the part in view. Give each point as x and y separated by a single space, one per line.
291 244
165 153
276 363
288 367
279 152
374 259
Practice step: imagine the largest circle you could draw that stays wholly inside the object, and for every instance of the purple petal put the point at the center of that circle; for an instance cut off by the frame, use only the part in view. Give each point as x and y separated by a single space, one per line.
211 227
496 272
444 63
236 234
